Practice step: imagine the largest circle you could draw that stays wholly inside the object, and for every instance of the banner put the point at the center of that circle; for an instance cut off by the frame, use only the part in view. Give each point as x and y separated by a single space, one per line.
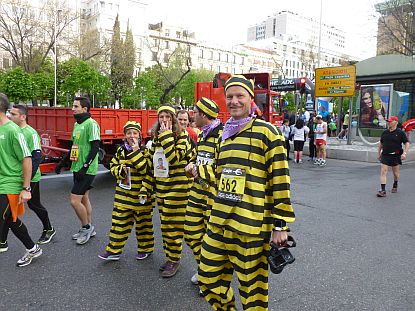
375 104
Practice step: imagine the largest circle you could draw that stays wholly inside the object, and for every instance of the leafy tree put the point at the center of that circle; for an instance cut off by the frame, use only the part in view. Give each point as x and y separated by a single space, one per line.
17 84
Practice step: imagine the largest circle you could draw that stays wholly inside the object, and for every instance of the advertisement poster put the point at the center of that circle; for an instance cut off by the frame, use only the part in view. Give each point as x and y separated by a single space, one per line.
323 109
375 104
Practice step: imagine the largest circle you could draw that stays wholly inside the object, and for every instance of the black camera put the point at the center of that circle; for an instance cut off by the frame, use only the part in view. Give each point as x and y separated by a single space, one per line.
280 256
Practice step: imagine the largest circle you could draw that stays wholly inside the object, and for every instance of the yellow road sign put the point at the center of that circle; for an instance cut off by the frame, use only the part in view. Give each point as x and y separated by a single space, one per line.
335 81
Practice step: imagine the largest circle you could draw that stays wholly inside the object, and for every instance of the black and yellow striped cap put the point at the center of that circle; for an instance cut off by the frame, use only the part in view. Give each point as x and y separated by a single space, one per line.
240 80
166 107
208 107
132 125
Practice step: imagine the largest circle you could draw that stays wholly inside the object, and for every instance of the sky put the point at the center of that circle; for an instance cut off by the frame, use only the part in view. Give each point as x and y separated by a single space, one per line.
226 21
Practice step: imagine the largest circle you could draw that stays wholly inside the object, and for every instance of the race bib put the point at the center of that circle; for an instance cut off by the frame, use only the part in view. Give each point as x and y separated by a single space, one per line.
232 184
204 158
74 153
160 163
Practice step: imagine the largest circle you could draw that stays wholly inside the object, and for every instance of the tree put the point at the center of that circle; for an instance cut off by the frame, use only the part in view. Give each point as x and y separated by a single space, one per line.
17 85
396 27
28 33
122 61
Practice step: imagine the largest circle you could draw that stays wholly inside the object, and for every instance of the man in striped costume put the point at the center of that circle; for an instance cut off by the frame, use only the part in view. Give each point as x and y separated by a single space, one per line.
172 145
129 167
252 205
202 193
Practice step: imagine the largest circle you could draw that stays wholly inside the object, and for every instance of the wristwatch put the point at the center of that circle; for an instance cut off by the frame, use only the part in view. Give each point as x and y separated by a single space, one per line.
28 189
86 165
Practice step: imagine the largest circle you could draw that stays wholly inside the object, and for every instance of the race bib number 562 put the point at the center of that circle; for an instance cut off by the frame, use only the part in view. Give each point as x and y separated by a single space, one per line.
232 184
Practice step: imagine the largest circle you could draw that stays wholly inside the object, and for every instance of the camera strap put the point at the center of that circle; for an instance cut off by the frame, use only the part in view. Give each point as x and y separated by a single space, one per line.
287 243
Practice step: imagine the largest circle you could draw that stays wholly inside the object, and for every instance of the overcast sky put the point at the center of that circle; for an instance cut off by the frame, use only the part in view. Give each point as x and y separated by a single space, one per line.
226 21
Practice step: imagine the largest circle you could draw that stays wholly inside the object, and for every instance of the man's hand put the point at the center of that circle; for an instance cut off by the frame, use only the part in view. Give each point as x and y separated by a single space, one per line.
403 156
279 237
135 145
24 196
189 170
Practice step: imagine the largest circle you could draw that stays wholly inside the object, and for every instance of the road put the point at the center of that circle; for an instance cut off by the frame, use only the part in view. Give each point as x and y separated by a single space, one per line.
355 251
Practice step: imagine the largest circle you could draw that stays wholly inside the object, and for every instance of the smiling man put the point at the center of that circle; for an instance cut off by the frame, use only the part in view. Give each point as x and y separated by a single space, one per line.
252 205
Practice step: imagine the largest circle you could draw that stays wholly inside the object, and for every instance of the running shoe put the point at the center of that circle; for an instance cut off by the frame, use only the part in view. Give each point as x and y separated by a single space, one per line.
46 236
381 194
194 279
76 235
84 235
170 269
109 257
142 256
28 256
394 190
322 163
3 247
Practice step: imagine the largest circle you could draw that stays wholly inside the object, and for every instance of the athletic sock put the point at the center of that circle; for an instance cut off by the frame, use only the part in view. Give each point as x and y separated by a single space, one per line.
87 226
383 187
32 249
395 184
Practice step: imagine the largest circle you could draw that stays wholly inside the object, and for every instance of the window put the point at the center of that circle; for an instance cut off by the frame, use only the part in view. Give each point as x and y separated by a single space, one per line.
234 59
178 34
166 57
243 61
167 32
201 54
226 59
102 4
218 56
211 55
156 42
154 56
167 44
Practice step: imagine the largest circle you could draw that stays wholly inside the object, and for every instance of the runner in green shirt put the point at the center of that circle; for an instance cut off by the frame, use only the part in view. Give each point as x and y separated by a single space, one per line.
18 114
84 157
15 174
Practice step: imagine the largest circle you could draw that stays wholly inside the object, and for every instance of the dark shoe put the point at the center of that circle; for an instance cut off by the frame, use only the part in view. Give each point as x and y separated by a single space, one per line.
163 266
381 194
170 269
142 256
109 257
394 190
3 247
46 236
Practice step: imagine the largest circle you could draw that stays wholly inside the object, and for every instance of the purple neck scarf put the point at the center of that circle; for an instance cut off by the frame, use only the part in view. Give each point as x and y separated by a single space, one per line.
207 129
128 147
233 127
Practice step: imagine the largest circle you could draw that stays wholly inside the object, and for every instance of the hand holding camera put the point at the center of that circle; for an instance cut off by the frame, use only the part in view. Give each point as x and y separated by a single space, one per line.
280 256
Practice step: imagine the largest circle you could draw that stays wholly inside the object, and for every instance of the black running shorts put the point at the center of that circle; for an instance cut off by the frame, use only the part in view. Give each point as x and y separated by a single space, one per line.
80 187
391 159
298 145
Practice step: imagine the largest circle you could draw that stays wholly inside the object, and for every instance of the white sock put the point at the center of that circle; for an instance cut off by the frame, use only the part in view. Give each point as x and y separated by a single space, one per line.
32 249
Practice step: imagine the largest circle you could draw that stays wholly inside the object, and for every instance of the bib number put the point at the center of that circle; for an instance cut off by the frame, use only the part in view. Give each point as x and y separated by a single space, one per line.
232 184
204 158
74 155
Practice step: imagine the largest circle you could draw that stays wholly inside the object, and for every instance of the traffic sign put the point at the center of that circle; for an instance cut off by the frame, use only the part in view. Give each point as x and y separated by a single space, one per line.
335 81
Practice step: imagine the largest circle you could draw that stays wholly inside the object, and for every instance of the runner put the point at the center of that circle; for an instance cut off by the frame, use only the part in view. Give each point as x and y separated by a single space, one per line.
15 175
202 193
391 154
321 141
129 167
84 158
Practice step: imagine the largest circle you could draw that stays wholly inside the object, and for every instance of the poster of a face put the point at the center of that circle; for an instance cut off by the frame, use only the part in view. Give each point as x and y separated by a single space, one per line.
375 101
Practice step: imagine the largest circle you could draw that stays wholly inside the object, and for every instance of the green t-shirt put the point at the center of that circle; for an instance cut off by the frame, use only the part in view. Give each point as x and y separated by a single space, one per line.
33 142
13 149
82 136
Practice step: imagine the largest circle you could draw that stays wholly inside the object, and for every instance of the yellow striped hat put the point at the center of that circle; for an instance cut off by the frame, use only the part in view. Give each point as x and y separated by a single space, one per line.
208 107
240 80
166 107
132 125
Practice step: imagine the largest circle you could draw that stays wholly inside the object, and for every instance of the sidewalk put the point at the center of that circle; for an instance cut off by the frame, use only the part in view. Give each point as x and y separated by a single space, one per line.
357 151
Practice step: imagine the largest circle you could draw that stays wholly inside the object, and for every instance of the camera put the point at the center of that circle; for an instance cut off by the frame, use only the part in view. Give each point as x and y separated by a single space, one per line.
280 256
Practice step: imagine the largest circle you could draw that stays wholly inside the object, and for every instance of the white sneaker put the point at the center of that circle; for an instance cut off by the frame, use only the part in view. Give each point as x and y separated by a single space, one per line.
84 235
28 256
76 235
194 279
322 163
317 162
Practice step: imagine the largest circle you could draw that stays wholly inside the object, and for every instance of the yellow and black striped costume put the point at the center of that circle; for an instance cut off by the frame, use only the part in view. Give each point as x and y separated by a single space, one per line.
239 232
127 208
201 196
173 191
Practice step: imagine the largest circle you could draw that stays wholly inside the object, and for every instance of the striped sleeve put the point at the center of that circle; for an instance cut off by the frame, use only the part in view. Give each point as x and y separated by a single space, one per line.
175 151
138 161
23 145
116 165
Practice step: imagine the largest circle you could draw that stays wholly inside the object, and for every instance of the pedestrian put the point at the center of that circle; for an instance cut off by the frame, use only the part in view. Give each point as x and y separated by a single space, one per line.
172 144
202 193
321 141
345 128
19 115
299 132
311 139
133 203
15 175
252 204
391 154
183 117
83 156
286 132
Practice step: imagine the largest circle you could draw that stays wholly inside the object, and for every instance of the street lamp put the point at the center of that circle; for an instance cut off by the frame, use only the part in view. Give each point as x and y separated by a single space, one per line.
56 57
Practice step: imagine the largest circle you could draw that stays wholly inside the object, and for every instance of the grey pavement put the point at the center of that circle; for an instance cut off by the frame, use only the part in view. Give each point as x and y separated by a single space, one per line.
355 251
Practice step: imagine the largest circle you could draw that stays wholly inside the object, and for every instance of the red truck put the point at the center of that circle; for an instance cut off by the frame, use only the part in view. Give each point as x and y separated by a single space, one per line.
268 101
55 125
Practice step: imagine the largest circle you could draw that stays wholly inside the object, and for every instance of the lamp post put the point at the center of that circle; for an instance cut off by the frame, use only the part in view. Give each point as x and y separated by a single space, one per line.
319 36
55 99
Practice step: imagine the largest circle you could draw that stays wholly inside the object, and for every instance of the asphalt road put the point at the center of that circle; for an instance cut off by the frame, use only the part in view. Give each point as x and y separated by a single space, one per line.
355 251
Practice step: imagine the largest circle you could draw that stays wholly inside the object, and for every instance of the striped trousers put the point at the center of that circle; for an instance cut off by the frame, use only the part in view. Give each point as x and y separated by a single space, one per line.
197 216
224 251
172 214
122 223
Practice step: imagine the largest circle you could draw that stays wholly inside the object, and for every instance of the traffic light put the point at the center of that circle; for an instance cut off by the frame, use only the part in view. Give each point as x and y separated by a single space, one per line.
302 85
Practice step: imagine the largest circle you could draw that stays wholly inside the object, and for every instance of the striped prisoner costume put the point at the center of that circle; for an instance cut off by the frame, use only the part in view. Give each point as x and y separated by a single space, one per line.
201 197
173 192
127 208
238 233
